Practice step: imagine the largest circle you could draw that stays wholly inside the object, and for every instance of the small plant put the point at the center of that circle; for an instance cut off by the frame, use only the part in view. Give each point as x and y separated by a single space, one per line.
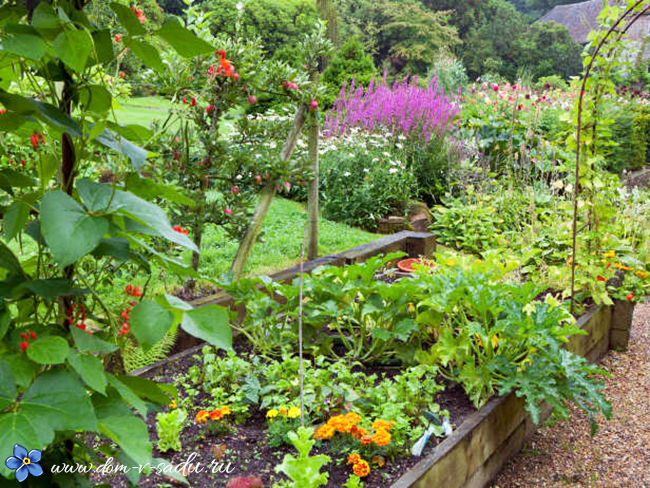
215 420
354 481
169 426
281 422
303 471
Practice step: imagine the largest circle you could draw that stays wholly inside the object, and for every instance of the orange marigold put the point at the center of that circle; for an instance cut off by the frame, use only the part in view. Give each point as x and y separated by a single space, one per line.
202 416
325 432
216 414
358 432
353 417
381 438
382 425
354 458
340 423
366 440
361 469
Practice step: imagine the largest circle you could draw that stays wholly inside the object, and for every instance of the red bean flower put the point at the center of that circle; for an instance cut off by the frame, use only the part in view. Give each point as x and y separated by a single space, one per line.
630 297
24 345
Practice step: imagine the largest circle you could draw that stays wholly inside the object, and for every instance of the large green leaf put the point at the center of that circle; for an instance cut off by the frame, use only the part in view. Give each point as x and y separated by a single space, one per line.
21 428
146 53
149 189
98 197
150 322
103 52
125 429
24 41
96 98
23 369
53 288
89 343
128 19
13 179
90 369
73 47
14 220
9 261
148 389
8 391
68 230
210 323
128 395
117 248
44 18
119 144
183 40
48 350
57 399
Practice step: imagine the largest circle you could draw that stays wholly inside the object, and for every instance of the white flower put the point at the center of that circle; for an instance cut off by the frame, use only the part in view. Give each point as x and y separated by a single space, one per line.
366 170
347 173
399 146
393 170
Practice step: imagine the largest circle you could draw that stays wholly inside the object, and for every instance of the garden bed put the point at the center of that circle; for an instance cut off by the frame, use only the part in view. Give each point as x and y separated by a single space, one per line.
474 453
414 244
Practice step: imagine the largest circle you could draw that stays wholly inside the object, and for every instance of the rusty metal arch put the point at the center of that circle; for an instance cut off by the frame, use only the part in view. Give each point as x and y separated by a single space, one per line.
618 29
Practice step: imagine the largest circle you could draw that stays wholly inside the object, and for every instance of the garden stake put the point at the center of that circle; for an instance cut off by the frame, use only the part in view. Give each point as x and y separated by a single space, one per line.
300 368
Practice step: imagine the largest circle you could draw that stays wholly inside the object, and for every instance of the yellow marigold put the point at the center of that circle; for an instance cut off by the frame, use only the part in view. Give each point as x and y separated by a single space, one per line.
358 432
366 440
381 438
379 461
226 410
610 254
340 423
202 416
216 414
450 262
623 267
382 425
271 414
173 405
353 417
283 411
354 458
361 469
293 412
495 340
325 432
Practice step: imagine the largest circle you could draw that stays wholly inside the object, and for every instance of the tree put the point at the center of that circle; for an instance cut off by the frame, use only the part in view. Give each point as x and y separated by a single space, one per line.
349 62
548 50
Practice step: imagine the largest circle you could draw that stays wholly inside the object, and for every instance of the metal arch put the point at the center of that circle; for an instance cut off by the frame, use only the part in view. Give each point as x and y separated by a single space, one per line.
613 29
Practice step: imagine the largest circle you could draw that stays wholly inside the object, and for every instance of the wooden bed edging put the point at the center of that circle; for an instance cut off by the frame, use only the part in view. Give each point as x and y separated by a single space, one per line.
475 453
414 244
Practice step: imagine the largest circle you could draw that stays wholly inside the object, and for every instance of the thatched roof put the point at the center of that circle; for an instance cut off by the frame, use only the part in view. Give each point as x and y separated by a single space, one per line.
578 18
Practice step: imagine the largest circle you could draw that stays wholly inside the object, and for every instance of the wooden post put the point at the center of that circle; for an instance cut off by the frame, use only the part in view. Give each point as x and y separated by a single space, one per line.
266 197
312 202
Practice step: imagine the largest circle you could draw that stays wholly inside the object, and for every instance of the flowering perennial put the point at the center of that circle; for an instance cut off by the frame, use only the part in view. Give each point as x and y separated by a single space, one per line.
403 108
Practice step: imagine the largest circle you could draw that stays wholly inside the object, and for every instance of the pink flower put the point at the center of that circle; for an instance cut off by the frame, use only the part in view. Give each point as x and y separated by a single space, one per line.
234 190
495 87
209 109
228 212
314 104
252 99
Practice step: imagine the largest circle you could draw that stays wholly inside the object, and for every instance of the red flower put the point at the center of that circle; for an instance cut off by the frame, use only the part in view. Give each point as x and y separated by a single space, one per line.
495 87
184 99
137 292
35 139
125 315
209 109
33 334
122 74
228 212
600 278
179 229
24 345
81 326
630 296
129 289
24 336
609 265
235 190
226 67
211 71
117 38
193 103
3 111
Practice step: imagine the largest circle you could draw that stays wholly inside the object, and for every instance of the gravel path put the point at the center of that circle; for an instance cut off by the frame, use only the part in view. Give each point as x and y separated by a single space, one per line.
562 454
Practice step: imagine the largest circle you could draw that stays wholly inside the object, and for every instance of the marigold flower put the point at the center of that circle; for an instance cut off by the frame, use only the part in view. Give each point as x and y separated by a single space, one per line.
357 432
366 440
226 410
381 438
341 424
361 469
271 414
353 417
354 458
382 425
379 461
293 412
202 416
283 411
610 254
216 414
450 262
325 432
600 278
641 274
173 405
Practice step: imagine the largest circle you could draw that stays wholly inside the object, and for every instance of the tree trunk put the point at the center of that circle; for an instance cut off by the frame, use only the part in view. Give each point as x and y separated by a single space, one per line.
266 197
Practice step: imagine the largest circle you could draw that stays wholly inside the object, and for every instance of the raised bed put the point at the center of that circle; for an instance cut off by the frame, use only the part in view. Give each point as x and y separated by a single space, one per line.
414 244
473 455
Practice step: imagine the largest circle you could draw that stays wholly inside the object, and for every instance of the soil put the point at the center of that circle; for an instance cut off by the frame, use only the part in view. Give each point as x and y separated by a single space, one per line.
248 453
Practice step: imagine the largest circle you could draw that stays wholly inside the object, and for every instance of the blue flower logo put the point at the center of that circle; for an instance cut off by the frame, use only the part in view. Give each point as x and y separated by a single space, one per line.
25 463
